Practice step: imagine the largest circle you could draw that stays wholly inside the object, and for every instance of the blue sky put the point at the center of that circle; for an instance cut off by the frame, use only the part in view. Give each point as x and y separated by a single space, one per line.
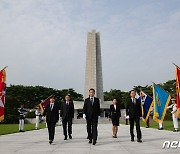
44 41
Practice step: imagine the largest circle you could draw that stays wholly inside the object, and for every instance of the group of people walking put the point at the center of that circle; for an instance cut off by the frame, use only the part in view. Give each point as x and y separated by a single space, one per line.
133 113
52 117
91 113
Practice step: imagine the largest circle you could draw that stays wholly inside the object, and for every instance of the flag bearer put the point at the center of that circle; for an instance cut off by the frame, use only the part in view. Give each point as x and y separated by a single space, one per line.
37 113
22 113
174 114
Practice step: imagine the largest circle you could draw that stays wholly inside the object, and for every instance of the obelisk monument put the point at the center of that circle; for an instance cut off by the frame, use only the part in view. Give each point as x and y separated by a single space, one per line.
93 74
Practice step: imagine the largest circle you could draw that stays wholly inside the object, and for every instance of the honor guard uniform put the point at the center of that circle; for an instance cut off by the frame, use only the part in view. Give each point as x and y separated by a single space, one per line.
173 106
22 113
161 125
60 119
37 113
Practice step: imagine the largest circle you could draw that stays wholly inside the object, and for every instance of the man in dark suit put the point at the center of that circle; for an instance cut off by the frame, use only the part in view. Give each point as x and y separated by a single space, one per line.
134 113
52 116
67 114
91 112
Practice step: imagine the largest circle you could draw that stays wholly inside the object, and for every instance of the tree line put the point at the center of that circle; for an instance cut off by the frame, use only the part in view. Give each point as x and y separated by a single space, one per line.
122 97
31 96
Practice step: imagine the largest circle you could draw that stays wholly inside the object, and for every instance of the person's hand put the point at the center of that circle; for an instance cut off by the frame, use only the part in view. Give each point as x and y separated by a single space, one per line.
127 117
140 118
84 116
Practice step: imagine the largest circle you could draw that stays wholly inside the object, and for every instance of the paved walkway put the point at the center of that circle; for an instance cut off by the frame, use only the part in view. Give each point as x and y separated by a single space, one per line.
36 142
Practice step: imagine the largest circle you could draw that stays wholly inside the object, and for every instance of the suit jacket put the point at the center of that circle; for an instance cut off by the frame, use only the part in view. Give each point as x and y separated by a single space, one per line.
67 111
134 110
92 111
115 113
51 116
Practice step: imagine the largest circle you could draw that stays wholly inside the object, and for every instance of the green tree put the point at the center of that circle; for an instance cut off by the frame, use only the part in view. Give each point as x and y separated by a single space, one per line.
31 96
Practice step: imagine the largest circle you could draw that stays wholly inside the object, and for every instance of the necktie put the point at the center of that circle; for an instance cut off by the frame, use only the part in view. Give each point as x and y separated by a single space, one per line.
134 100
51 107
92 101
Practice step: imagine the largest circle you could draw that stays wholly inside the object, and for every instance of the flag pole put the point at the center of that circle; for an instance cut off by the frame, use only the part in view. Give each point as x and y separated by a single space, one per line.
176 65
153 82
41 102
4 68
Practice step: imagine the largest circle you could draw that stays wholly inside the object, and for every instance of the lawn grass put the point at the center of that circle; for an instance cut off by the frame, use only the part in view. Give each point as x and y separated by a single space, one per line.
14 128
167 125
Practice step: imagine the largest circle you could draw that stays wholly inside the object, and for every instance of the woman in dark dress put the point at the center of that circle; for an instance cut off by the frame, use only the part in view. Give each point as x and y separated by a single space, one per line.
115 115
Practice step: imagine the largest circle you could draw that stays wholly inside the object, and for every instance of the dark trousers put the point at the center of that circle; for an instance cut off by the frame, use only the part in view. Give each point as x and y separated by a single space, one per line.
138 130
67 122
126 121
51 130
92 129
148 122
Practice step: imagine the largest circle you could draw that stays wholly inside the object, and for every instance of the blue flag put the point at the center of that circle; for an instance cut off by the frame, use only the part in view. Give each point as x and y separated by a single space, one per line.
147 104
161 100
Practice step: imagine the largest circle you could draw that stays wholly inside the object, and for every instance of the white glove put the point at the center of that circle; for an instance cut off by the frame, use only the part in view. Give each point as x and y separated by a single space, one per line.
84 116
127 117
140 118
99 117
43 118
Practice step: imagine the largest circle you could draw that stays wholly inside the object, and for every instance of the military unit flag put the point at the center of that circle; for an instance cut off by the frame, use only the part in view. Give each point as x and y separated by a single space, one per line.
2 92
44 103
147 104
178 90
161 99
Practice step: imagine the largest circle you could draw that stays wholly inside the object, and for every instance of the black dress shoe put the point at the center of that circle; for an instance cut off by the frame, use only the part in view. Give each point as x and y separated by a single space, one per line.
94 142
139 140
132 139
90 141
87 137
65 138
70 136
50 141
160 128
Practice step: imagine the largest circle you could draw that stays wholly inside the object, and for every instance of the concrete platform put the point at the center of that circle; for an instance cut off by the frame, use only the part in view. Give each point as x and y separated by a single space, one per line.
37 142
